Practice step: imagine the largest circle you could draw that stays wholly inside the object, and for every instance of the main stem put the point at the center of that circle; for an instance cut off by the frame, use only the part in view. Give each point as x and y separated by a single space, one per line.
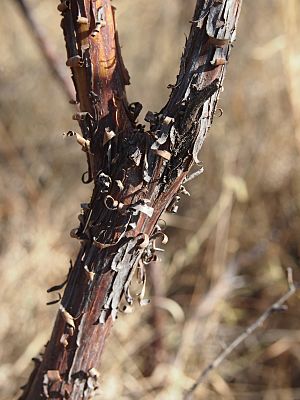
137 174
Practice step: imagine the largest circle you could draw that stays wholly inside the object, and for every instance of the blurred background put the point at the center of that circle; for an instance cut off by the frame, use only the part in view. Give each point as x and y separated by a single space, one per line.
230 243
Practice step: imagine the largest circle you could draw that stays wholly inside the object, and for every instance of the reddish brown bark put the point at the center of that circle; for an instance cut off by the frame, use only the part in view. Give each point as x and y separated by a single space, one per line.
136 174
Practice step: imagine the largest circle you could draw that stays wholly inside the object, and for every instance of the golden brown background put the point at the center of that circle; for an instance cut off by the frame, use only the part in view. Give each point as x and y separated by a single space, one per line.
231 242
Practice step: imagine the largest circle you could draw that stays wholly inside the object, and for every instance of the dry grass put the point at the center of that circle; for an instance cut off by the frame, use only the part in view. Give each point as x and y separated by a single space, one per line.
231 241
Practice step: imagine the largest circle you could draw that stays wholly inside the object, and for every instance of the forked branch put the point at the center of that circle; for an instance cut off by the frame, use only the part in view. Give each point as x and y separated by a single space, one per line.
136 173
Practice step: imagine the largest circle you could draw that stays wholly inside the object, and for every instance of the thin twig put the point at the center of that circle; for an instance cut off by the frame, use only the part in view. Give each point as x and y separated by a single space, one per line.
56 67
157 317
279 305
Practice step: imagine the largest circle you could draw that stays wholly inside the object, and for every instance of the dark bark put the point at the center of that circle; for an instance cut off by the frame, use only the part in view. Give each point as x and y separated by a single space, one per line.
136 174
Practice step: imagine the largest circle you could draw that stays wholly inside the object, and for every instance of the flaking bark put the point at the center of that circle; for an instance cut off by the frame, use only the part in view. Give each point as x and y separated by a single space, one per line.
136 174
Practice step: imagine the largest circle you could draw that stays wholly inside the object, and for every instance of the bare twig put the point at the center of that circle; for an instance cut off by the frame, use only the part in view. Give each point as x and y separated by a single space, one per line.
57 68
279 305
157 347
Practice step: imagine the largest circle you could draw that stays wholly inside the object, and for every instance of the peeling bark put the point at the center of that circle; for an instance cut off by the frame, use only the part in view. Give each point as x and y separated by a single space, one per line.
136 175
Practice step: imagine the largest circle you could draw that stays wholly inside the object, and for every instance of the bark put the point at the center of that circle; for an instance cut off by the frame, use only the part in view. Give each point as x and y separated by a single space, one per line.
137 174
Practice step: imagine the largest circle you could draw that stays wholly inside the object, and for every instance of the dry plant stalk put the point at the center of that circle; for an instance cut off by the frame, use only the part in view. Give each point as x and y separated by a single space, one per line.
47 50
279 305
137 174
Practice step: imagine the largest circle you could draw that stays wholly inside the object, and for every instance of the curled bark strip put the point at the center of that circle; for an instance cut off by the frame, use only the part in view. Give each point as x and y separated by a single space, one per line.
99 25
173 206
141 294
110 203
94 373
183 190
64 339
143 241
57 287
46 386
144 302
127 309
135 109
81 116
108 135
219 112
164 154
64 6
82 21
67 317
54 376
142 207
74 233
74 62
84 143
218 61
218 42
86 177
49 303
152 118
120 185
162 235
103 246
90 274
163 130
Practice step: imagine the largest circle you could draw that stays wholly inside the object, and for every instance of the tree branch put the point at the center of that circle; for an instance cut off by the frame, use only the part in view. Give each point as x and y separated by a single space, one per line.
56 67
136 174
